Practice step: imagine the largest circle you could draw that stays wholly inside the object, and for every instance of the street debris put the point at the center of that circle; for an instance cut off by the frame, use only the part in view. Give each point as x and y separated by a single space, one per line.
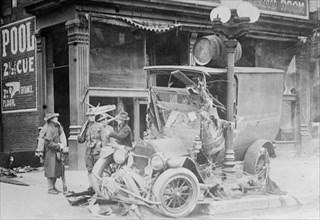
7 175
27 169
79 198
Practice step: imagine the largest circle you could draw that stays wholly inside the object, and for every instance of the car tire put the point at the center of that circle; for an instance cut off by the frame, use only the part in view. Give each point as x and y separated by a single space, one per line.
97 172
176 187
257 162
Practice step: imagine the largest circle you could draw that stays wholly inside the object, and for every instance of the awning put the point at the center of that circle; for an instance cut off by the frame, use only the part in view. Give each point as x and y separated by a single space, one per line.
151 25
140 23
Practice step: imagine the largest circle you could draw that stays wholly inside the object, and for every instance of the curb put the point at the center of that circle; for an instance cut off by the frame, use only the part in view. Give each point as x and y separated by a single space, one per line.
257 202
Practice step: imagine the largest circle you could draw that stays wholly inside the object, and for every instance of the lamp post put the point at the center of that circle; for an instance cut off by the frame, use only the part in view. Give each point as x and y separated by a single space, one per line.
232 24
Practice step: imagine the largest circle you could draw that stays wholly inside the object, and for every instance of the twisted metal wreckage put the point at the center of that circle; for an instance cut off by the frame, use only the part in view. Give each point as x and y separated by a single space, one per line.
179 163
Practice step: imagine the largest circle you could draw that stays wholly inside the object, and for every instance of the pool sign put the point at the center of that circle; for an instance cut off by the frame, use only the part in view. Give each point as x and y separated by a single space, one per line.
18 66
286 8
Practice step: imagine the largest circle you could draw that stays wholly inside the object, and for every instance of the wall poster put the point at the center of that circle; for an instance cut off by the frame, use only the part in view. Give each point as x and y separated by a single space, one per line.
18 66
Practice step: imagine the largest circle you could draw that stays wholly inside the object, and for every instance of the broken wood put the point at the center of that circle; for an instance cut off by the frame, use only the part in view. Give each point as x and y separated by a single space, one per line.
12 181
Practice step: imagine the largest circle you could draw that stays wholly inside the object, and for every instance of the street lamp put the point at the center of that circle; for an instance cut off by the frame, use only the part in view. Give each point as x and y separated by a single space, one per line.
232 24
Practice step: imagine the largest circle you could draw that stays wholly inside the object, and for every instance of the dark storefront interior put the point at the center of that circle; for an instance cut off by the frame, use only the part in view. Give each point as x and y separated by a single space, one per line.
57 65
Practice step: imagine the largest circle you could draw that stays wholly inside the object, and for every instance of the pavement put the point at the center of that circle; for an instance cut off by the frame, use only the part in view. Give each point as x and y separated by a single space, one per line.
297 176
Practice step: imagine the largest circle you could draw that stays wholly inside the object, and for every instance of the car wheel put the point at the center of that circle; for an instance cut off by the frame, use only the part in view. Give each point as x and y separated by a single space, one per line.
177 190
103 167
257 162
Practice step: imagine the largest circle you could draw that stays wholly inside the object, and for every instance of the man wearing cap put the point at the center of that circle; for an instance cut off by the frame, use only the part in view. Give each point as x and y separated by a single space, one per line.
123 133
95 138
54 141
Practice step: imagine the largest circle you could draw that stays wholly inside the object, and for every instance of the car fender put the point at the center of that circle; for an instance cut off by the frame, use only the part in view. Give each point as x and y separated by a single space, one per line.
175 162
106 151
254 150
186 162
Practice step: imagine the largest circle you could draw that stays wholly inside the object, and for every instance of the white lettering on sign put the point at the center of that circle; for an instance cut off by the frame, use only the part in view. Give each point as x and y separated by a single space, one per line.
293 6
287 8
266 4
22 38
9 103
18 66
14 43
26 89
19 39
25 65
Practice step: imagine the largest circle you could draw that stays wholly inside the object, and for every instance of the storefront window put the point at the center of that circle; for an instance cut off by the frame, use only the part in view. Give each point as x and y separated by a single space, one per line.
116 57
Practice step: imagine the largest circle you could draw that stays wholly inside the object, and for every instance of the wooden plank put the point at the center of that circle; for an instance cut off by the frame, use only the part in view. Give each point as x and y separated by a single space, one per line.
168 90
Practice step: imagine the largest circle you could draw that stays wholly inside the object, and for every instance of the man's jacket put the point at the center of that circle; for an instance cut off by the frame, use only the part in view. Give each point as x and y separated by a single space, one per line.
123 136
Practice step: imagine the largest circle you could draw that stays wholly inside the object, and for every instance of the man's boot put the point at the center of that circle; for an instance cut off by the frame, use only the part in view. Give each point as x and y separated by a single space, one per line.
51 186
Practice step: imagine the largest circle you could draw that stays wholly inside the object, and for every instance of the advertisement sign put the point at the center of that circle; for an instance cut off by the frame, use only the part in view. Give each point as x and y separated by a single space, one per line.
315 44
18 66
286 8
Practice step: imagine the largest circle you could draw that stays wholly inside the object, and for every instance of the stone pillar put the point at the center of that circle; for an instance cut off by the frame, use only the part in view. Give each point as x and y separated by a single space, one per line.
305 139
78 42
49 76
41 76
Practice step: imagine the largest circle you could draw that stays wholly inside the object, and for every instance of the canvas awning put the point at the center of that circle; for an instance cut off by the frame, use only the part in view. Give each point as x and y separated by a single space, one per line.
139 23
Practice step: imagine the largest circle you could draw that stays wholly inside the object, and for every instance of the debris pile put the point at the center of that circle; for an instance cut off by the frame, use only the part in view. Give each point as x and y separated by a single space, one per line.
7 175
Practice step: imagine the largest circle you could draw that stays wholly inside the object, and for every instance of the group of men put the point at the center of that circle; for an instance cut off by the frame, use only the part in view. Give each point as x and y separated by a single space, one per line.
97 134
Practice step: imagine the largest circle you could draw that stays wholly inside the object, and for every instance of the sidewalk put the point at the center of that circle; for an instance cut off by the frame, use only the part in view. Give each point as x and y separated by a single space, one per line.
299 177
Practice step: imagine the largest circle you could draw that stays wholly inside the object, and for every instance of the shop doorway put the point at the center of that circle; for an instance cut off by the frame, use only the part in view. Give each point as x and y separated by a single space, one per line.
61 98
57 75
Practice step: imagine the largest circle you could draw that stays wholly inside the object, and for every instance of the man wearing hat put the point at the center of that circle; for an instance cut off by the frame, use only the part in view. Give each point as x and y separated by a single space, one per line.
124 133
95 138
105 121
54 141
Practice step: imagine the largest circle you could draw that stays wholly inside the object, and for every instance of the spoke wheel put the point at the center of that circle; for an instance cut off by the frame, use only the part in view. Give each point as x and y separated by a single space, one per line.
177 190
102 168
257 163
262 166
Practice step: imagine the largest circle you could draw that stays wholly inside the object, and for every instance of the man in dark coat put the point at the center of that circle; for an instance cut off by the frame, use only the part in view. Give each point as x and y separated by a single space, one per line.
52 151
123 133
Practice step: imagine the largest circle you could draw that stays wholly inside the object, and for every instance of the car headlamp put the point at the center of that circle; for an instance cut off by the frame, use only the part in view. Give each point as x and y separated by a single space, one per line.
120 156
157 162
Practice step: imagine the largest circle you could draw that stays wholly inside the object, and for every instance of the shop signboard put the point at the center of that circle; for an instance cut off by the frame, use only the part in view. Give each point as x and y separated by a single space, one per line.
286 8
315 44
18 66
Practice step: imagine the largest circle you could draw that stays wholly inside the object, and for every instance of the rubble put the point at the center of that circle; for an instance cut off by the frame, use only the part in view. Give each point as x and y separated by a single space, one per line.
7 175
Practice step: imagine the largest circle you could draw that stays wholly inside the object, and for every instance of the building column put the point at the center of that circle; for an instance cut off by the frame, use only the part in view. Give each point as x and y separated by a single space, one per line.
303 108
78 42
192 41
136 122
41 76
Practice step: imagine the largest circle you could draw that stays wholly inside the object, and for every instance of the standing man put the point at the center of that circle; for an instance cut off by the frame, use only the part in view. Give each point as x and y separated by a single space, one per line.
95 138
105 121
53 144
123 133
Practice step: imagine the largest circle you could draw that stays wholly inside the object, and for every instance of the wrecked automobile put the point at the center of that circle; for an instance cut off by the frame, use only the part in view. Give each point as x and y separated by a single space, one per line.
179 162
